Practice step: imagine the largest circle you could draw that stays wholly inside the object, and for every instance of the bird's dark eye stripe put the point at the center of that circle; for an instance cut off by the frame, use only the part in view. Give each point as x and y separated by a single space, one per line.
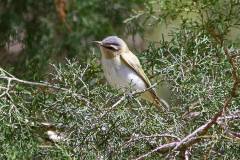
111 48
114 44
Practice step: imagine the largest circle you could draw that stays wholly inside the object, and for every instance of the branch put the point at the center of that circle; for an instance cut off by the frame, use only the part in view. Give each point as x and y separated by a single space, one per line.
161 149
191 138
233 116
135 138
196 135
9 77
122 98
221 122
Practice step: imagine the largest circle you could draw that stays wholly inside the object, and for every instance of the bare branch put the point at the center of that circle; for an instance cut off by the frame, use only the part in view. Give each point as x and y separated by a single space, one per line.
222 122
197 134
11 78
122 98
134 138
160 149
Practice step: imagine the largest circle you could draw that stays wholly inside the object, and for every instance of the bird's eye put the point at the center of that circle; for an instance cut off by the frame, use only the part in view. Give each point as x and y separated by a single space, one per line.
113 48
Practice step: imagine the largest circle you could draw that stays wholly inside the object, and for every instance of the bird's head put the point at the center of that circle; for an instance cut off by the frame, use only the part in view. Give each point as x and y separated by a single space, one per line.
112 46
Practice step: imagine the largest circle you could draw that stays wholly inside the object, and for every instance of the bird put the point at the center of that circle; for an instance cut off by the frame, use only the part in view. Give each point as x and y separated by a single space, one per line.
123 70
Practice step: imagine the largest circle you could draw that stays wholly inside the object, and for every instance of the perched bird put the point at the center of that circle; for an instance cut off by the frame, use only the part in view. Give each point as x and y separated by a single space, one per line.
122 69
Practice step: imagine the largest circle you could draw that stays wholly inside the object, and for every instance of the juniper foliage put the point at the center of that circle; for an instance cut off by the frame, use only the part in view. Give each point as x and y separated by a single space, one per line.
198 66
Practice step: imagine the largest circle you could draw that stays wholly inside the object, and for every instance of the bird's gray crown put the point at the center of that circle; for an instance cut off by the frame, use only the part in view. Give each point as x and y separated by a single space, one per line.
114 40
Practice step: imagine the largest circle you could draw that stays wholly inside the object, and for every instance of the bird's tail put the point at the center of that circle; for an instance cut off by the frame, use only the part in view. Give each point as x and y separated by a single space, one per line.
152 97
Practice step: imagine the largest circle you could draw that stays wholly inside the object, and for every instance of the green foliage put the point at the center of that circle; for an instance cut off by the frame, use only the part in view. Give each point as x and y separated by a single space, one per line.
194 66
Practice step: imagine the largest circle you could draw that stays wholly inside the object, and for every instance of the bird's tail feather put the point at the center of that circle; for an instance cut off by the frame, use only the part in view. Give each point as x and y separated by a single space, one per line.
152 97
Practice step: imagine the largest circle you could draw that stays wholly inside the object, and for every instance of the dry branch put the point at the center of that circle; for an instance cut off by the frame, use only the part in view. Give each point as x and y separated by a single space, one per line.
197 134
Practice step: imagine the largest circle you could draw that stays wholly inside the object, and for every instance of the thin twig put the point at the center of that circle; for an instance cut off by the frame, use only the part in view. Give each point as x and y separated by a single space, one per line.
134 139
195 136
222 123
122 98
11 78
160 149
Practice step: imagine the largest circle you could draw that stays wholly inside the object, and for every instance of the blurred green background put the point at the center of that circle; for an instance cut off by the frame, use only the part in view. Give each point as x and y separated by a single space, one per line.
36 33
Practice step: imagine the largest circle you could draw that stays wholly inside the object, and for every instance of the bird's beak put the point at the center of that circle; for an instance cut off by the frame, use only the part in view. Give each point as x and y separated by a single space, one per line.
97 42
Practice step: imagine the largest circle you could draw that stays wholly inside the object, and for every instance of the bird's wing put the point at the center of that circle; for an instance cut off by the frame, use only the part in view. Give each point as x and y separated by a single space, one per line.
132 61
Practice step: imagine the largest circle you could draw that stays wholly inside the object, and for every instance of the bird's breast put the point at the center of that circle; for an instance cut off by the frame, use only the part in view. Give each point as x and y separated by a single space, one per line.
121 76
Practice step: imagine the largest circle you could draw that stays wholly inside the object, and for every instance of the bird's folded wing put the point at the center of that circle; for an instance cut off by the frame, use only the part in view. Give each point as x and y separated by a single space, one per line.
132 61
